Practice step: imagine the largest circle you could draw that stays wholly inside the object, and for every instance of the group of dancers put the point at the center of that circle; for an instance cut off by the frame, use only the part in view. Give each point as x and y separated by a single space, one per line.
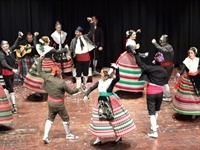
110 118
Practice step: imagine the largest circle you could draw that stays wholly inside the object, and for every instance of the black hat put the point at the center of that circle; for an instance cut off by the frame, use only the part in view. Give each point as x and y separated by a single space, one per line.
79 28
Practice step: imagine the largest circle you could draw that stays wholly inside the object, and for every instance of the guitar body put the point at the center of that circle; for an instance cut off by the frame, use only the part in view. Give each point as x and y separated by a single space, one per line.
24 49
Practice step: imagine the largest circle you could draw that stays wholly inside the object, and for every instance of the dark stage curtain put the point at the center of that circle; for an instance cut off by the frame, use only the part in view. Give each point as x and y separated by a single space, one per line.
177 18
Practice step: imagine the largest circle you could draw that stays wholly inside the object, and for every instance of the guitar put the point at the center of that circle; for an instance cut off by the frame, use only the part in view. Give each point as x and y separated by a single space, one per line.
24 49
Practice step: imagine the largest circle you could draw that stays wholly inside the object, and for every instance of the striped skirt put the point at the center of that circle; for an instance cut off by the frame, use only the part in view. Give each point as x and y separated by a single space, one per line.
129 74
33 80
66 66
2 82
121 125
186 101
5 108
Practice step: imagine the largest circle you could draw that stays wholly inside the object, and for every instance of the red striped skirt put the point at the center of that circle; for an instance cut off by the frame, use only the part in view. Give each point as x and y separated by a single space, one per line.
5 108
66 66
186 101
33 80
121 125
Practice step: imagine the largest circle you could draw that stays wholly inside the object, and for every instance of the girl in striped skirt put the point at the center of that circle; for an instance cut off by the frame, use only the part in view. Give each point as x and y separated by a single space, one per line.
33 80
187 98
5 108
129 70
121 123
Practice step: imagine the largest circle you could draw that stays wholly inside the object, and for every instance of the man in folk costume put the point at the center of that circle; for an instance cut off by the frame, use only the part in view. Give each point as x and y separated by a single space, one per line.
56 88
8 63
59 41
167 64
80 46
98 40
26 61
155 76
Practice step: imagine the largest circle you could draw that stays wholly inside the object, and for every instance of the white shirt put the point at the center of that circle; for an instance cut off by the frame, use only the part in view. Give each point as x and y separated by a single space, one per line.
104 85
131 42
86 48
192 65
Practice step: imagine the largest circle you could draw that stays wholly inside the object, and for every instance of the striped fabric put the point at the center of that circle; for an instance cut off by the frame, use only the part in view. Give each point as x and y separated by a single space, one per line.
66 66
129 74
186 101
2 82
5 108
121 125
24 64
33 80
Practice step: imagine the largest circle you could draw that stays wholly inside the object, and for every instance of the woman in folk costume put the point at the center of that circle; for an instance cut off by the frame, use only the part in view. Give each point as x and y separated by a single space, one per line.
33 80
59 41
187 98
129 70
155 75
5 108
8 63
115 121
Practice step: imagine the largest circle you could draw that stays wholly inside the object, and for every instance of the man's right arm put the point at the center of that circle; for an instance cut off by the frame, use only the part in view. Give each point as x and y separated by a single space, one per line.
69 90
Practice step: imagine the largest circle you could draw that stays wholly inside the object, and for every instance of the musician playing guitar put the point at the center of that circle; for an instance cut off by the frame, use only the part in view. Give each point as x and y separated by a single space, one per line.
59 41
26 54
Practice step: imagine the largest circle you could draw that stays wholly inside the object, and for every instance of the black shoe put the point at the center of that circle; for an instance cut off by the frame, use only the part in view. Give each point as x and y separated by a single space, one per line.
97 144
115 142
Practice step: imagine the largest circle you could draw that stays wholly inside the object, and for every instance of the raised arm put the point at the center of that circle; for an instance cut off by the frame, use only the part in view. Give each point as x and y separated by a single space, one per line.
166 48
92 30
20 34
91 89
141 64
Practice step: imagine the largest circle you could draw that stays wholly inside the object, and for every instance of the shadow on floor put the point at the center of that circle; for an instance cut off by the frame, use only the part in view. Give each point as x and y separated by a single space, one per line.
37 97
129 95
4 128
187 118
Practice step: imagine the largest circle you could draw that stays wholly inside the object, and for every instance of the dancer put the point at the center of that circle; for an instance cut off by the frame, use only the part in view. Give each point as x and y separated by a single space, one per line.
80 46
5 108
187 98
9 66
56 88
33 80
167 64
118 122
59 41
98 40
129 70
26 54
155 75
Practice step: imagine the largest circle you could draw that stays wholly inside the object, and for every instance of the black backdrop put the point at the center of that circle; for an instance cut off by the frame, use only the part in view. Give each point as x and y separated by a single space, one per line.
178 18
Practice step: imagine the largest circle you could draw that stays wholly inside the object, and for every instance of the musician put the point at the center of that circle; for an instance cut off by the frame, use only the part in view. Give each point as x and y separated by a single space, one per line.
59 41
27 57
98 40
80 46
8 63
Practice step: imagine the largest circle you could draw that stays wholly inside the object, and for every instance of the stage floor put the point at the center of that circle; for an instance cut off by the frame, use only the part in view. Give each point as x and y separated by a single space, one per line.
176 132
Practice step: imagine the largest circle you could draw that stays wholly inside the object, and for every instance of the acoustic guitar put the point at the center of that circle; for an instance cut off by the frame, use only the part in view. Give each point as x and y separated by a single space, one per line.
24 49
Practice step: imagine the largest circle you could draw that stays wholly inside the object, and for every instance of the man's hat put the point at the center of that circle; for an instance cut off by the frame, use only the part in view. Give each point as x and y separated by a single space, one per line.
79 28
